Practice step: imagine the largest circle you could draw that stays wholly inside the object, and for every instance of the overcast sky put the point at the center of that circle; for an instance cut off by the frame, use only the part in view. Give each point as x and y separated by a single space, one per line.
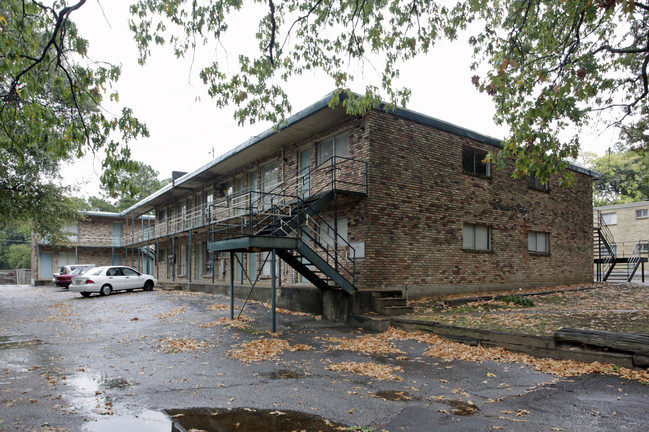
186 127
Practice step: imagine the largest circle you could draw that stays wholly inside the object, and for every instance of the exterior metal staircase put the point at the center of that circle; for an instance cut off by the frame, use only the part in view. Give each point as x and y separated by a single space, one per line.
605 253
286 218
609 265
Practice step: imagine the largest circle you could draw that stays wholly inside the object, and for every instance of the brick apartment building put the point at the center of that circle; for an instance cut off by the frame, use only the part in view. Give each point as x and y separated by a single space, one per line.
98 239
391 200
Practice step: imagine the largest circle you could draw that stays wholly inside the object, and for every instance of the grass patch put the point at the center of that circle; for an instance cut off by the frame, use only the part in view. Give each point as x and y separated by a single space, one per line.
518 300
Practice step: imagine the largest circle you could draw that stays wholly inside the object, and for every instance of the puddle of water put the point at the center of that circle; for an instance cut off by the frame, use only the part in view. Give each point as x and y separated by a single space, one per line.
89 391
249 420
396 396
146 421
462 408
286 374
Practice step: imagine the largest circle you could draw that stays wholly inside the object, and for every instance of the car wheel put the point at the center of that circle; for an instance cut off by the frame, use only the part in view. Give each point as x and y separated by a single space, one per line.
85 294
148 286
106 290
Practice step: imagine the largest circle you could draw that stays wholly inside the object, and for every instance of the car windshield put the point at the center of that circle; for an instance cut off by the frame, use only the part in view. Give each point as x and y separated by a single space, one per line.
96 272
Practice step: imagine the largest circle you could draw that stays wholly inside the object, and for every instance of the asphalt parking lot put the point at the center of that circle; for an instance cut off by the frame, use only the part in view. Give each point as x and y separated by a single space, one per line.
173 361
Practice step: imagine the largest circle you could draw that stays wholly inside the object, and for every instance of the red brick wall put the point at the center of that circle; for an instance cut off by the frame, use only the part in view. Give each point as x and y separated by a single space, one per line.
411 222
419 199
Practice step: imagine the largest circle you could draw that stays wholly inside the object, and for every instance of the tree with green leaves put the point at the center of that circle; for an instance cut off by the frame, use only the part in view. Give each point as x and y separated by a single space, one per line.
14 240
551 67
147 180
50 112
625 176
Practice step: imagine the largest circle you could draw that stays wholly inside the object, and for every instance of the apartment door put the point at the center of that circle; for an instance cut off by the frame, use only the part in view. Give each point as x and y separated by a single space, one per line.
46 261
253 182
117 233
304 175
269 181
240 198
252 266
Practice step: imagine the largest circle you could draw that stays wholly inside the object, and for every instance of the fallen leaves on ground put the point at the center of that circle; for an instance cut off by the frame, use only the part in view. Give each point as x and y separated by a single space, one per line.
184 345
240 323
62 314
364 344
221 307
296 313
173 313
264 349
613 307
449 350
370 369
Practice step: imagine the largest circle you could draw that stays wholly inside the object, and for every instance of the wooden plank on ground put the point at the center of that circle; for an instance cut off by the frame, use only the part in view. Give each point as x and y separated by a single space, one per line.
634 343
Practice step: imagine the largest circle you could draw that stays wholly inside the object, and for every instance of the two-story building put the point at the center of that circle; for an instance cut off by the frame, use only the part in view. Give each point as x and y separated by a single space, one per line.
96 239
391 200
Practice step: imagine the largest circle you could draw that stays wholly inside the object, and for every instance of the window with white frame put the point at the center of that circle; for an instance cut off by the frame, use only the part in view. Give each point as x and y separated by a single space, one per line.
609 218
336 146
72 231
473 162
476 237
538 242
642 213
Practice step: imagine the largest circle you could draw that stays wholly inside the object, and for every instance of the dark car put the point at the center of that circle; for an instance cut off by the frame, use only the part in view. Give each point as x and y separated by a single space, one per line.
64 276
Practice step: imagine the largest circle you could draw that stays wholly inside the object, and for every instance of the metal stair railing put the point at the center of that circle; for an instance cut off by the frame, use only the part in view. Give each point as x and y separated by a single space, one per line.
634 260
284 210
605 249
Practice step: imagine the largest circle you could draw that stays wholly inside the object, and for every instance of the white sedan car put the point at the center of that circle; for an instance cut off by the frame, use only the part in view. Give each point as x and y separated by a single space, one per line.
105 280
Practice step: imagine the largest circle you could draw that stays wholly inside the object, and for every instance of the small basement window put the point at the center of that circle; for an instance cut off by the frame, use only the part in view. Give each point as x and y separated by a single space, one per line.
642 214
538 242
534 183
476 237
473 162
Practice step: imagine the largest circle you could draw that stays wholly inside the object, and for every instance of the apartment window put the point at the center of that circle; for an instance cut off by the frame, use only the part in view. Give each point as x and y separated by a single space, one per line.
473 162
538 242
72 230
208 261
337 146
609 218
534 183
643 247
642 214
476 237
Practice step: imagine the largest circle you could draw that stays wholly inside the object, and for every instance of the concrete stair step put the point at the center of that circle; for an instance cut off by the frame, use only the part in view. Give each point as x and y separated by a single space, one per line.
395 310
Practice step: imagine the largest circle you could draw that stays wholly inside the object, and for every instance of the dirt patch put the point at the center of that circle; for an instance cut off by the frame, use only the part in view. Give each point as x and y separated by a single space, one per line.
614 307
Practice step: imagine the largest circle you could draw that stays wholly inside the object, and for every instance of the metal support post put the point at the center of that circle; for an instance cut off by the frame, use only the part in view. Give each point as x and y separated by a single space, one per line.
273 292
231 285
